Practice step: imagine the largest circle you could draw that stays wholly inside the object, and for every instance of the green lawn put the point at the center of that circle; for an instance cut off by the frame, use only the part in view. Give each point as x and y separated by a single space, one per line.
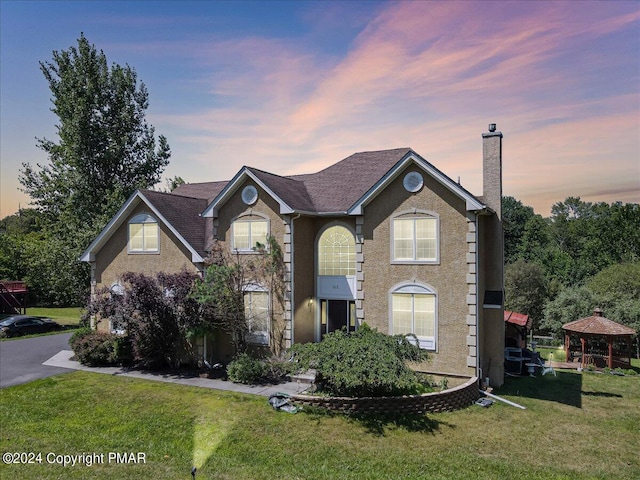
65 316
574 426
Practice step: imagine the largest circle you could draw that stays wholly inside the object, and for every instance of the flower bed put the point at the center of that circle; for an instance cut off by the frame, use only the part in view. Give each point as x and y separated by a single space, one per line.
447 400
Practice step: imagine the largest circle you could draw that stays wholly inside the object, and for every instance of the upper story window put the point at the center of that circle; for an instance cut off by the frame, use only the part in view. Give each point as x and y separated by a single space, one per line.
247 232
144 234
415 238
413 310
337 252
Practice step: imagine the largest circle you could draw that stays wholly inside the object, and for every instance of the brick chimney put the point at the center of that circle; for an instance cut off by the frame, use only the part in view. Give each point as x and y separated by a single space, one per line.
492 169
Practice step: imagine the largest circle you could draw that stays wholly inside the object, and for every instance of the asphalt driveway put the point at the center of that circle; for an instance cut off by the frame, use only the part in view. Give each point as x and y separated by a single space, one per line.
21 360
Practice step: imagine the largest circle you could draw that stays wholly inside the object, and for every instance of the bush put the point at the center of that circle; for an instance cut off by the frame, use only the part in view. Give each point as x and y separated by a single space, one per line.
244 369
100 348
362 363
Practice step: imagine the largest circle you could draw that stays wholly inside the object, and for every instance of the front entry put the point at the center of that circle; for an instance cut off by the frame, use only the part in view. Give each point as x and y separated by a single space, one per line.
337 314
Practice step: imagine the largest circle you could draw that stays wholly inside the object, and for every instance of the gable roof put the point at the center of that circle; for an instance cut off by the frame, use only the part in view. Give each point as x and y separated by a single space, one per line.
342 188
178 213
517 319
182 214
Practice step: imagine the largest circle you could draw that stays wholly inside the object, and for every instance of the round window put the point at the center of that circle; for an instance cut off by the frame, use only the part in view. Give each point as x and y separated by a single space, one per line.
413 182
249 195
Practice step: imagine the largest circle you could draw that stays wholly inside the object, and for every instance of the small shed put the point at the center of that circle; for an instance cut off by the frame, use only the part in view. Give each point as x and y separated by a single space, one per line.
602 341
517 326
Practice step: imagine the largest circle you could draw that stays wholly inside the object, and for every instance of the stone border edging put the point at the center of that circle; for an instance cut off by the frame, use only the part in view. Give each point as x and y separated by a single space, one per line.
445 401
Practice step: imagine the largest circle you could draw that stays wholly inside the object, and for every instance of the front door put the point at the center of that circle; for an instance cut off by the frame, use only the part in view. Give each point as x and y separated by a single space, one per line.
337 314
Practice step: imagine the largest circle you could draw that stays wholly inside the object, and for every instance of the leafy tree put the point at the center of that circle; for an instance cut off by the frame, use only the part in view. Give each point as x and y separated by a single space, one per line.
525 290
515 216
173 183
620 280
571 304
26 220
222 289
225 282
105 150
158 314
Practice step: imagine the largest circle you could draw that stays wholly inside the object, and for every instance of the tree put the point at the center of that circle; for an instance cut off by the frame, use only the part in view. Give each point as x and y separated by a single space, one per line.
173 183
620 280
106 149
515 216
158 314
225 282
24 221
571 304
525 290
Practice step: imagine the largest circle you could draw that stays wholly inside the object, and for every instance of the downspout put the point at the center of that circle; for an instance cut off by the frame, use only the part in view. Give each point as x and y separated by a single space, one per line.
291 278
479 372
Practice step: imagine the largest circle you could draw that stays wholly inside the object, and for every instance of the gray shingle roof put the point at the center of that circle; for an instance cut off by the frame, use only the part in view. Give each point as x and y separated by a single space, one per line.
338 187
291 191
205 190
183 213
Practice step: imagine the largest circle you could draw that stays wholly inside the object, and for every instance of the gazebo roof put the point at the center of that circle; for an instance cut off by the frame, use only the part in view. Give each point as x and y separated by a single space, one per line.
598 325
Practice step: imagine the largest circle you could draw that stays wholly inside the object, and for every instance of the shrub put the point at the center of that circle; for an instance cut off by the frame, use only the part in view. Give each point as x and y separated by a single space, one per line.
244 369
362 363
100 348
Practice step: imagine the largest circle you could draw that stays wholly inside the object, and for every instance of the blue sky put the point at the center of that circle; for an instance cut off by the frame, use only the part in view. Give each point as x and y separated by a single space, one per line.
292 87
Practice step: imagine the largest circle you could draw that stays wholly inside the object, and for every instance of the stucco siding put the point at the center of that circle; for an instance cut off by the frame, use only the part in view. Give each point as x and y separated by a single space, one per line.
264 208
113 259
304 302
448 277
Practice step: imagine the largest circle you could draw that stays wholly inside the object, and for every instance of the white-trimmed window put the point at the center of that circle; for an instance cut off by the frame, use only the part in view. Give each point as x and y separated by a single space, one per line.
413 310
256 311
337 252
144 234
414 239
116 322
246 233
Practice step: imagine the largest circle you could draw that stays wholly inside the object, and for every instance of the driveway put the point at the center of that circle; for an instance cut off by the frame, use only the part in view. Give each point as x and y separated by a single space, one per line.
21 360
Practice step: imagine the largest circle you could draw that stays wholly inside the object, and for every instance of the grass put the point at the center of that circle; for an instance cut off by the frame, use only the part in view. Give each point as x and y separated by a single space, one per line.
559 354
574 426
69 316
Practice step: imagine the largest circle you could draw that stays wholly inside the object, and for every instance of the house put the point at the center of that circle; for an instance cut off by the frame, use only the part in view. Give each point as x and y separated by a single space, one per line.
381 237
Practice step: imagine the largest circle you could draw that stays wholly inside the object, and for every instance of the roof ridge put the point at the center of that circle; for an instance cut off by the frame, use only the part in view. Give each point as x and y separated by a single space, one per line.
172 194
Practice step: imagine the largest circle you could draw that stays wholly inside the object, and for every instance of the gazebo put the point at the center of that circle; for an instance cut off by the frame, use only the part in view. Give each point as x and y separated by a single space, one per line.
594 332
516 327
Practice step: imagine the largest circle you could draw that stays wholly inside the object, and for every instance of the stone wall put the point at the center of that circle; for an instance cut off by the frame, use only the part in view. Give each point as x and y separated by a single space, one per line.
448 400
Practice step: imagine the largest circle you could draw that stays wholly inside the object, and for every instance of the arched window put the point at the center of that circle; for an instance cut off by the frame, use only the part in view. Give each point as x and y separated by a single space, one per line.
144 234
248 230
337 252
414 238
413 310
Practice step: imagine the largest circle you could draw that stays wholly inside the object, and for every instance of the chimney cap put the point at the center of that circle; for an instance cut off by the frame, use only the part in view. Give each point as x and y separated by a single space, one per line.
492 127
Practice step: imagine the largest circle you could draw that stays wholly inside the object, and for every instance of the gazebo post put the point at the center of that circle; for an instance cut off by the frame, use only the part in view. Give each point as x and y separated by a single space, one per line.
582 357
610 361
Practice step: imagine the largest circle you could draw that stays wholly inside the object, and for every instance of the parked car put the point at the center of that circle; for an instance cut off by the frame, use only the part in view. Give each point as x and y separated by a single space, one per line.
25 324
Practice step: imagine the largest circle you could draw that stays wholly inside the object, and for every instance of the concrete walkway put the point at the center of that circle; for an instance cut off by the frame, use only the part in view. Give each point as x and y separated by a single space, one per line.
63 360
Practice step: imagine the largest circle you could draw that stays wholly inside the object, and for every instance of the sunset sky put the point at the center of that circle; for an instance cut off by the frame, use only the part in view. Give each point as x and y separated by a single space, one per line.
292 87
